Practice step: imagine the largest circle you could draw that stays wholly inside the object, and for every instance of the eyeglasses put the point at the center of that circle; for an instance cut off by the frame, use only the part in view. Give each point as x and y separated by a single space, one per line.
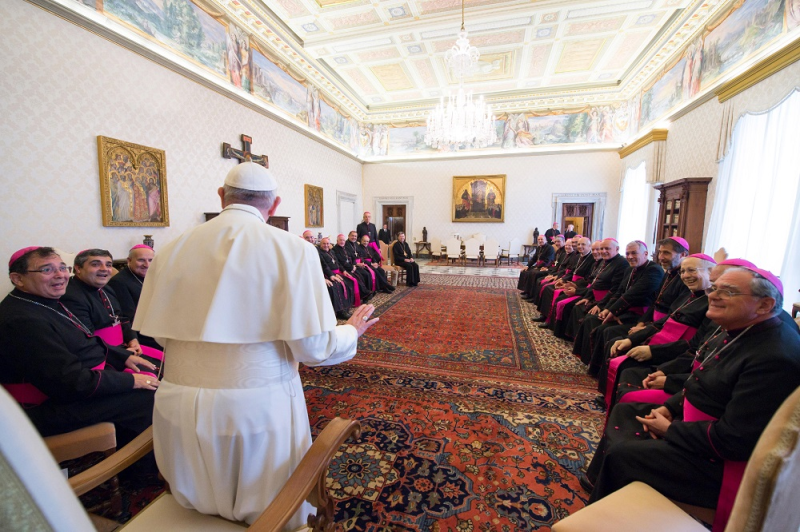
724 293
49 270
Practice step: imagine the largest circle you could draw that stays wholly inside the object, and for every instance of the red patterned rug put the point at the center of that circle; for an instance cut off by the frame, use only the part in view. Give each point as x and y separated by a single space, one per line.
472 419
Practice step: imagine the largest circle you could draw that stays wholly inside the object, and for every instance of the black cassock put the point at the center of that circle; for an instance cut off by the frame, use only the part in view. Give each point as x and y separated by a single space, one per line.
562 263
608 278
542 257
348 263
743 378
629 301
128 287
582 269
368 229
401 252
367 255
559 326
342 296
44 348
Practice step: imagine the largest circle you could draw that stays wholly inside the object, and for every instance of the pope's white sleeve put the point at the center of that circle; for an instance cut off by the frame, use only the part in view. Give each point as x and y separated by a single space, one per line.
326 349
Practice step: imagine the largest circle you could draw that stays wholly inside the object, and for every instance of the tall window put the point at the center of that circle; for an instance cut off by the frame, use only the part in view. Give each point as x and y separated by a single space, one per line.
633 206
756 212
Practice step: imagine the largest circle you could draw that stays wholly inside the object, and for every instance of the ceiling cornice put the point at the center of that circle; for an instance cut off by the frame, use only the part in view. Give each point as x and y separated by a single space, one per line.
760 71
648 138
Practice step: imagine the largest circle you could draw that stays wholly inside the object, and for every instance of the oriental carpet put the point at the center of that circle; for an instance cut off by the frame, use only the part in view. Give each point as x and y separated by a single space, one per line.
472 418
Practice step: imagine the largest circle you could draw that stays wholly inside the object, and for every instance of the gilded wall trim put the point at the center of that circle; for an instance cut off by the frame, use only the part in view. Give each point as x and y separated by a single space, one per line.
759 72
652 136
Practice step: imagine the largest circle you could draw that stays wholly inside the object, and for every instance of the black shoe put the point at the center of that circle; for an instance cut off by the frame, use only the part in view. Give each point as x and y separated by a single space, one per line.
385 291
540 319
543 325
390 288
342 315
586 484
600 401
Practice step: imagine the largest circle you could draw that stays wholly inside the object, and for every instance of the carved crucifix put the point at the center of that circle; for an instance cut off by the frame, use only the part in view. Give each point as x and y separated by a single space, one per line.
244 154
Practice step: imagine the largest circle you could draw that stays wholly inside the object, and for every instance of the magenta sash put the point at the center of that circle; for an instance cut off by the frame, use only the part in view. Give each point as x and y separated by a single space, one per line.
562 304
576 278
599 294
672 332
731 475
374 246
645 396
543 285
344 286
113 336
27 393
556 293
355 289
657 315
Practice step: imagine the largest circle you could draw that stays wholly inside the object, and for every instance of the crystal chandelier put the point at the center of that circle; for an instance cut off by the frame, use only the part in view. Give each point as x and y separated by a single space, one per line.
463 120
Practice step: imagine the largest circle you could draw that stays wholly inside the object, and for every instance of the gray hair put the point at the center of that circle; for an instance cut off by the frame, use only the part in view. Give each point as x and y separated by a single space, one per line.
762 287
639 244
260 199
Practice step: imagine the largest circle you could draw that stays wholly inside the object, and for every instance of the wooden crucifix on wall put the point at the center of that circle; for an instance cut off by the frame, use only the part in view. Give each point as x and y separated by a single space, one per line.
244 154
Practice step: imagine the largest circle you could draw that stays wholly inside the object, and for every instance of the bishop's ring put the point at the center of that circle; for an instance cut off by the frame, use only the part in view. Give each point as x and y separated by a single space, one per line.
364 318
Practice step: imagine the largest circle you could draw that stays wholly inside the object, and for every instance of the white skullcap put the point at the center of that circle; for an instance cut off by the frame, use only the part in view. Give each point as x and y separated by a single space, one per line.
251 176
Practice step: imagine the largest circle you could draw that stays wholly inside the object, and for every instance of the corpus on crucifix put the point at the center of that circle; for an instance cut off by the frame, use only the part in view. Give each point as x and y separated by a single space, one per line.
244 154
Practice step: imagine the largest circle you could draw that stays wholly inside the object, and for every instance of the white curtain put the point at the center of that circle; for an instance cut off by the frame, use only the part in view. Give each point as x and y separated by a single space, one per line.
633 206
755 213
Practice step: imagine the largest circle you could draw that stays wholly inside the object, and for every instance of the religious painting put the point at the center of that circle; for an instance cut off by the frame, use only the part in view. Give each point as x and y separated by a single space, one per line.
186 27
238 46
272 84
133 184
479 198
665 94
315 212
748 29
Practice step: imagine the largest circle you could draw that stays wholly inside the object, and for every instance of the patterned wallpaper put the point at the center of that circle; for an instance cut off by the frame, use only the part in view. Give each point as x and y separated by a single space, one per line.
59 93
530 183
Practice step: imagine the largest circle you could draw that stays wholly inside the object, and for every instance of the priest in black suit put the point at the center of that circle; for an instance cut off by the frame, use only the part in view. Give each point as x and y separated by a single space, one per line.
404 259
127 285
367 228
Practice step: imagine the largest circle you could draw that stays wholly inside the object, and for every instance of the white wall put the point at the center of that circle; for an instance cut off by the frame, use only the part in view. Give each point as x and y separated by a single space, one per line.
530 183
62 86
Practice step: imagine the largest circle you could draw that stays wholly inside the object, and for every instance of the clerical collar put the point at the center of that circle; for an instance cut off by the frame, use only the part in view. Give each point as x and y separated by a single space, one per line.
246 208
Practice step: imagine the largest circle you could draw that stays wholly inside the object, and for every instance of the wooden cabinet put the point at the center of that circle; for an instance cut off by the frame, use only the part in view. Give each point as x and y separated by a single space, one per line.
281 222
682 210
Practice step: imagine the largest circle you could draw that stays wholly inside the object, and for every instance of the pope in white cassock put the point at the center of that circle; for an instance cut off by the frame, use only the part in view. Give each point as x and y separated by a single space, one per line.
237 305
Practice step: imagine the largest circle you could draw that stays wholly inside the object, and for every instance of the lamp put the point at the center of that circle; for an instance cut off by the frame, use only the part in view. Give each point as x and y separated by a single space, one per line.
463 120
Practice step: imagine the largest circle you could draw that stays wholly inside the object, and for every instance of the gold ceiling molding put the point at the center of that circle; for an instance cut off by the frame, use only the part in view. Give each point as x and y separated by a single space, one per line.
759 72
652 136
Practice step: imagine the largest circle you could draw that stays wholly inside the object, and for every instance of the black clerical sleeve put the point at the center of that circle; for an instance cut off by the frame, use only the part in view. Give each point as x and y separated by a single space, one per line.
641 291
324 260
127 293
546 257
399 253
128 333
742 388
46 350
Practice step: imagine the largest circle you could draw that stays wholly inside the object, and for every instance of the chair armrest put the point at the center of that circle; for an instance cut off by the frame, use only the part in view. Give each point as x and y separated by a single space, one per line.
111 466
308 481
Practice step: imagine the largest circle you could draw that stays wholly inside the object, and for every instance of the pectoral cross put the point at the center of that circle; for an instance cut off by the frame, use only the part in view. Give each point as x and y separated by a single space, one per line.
244 154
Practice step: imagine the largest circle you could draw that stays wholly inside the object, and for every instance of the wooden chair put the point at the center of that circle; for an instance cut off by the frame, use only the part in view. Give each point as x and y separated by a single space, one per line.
386 265
399 272
766 500
40 498
512 252
472 251
491 251
436 248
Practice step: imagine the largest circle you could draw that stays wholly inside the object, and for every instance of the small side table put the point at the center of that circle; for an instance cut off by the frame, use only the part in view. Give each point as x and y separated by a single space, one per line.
421 246
527 248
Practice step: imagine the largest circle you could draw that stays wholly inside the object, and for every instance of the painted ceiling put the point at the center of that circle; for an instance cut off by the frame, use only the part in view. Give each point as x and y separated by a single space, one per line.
384 60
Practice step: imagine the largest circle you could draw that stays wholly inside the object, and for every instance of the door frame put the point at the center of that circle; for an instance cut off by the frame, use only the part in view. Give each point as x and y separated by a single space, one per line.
598 211
407 201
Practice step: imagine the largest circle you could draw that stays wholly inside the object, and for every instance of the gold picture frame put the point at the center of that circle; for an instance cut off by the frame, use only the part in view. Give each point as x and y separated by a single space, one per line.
133 184
314 206
479 198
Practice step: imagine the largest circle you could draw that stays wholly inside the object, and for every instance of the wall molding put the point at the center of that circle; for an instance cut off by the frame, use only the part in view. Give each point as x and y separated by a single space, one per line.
759 72
346 197
651 136
408 201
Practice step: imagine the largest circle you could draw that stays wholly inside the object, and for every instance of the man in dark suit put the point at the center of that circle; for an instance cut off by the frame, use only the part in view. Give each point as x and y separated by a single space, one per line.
552 232
383 235
367 228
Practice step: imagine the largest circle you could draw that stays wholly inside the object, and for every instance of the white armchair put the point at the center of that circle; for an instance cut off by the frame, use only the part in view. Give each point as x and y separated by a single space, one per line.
436 247
472 250
453 250
491 251
512 252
